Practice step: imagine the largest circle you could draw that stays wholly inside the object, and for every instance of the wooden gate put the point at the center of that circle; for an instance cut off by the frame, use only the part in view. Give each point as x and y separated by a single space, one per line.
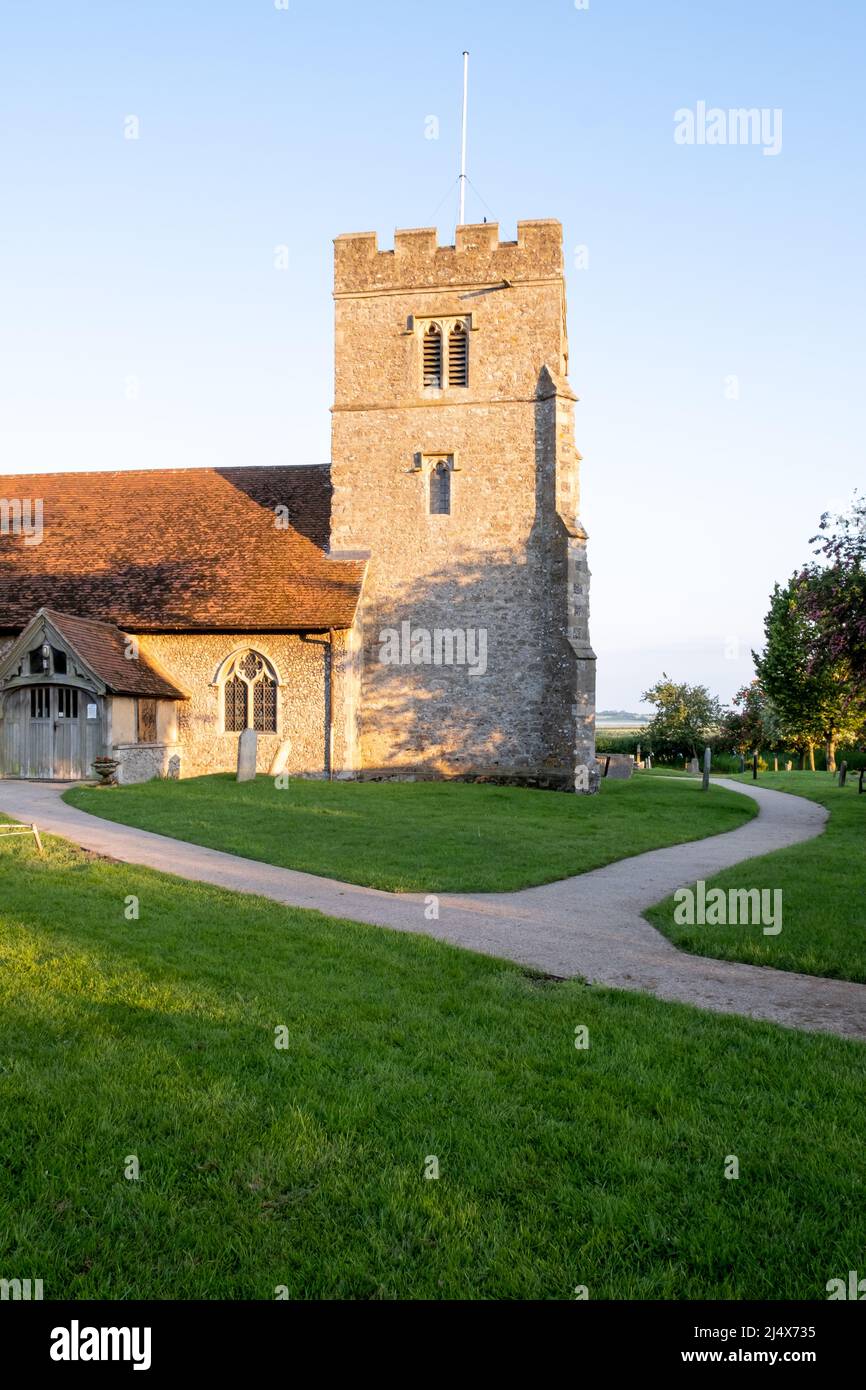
50 732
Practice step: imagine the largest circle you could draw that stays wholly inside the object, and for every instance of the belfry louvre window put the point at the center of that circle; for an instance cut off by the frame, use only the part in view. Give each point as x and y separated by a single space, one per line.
458 356
250 695
433 356
445 352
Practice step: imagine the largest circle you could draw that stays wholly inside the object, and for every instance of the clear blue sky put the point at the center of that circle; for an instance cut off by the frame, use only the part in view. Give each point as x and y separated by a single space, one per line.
146 267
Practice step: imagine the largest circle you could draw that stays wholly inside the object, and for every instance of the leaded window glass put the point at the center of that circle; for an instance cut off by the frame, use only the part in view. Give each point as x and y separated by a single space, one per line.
250 695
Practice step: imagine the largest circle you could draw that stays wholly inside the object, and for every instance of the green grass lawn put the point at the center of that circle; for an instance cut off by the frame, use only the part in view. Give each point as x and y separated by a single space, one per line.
823 884
304 1167
662 770
421 836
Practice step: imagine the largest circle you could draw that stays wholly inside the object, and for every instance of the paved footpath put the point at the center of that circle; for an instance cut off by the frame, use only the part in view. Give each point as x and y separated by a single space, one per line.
590 925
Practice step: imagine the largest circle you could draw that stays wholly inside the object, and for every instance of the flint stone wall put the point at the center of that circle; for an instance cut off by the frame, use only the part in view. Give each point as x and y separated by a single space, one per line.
500 561
301 663
141 762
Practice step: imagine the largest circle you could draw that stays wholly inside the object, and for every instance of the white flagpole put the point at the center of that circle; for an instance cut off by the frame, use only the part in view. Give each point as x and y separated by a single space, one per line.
463 144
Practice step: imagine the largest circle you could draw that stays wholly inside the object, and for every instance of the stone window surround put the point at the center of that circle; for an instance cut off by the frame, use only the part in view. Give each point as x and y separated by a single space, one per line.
226 668
423 464
418 326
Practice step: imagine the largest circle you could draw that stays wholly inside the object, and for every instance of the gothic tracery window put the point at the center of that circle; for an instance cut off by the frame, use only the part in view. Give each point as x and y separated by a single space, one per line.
249 695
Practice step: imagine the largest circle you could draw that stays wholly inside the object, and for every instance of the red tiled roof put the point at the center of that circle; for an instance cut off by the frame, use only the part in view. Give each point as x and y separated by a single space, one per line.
103 647
179 550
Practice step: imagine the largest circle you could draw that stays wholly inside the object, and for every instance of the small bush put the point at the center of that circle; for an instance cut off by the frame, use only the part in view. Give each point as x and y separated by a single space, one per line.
619 743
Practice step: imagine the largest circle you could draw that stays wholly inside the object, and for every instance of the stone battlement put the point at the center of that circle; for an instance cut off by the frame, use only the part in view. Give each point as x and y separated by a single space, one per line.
418 262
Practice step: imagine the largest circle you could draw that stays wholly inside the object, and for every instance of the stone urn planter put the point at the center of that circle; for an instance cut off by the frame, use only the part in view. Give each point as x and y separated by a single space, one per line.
106 771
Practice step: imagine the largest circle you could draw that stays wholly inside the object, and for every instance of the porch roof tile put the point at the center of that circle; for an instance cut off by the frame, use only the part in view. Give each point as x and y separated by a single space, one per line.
103 648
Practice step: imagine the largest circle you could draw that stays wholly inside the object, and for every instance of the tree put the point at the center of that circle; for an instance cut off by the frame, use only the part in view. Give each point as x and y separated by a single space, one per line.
836 598
812 692
686 716
752 723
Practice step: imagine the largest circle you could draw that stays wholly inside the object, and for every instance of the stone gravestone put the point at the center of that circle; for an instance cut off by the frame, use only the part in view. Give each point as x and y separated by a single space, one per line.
247 755
280 758
788 766
620 765
708 758
742 763
693 765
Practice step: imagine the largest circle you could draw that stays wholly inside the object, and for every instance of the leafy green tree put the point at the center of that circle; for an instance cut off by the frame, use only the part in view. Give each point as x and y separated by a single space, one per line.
686 717
837 589
752 723
812 693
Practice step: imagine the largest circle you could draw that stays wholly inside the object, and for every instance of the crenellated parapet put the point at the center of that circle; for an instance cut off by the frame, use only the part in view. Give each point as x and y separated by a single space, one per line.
477 257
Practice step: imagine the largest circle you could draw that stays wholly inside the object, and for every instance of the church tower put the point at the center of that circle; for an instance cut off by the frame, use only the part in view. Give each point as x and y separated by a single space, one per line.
454 468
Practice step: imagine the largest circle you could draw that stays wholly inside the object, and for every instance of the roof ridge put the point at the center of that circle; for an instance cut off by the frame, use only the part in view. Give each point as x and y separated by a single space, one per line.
148 472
